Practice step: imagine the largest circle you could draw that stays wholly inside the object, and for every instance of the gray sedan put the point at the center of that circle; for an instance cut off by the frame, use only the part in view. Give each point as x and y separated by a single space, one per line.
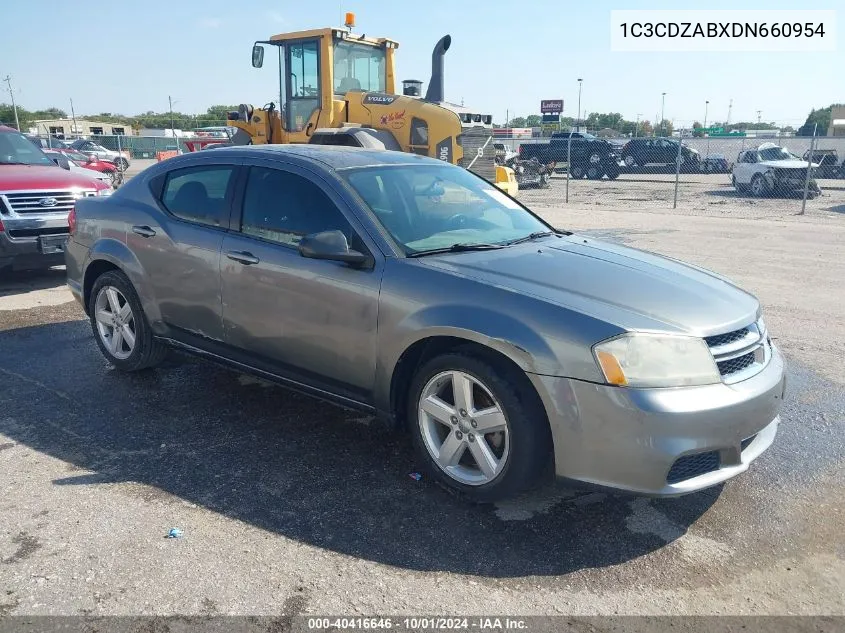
414 290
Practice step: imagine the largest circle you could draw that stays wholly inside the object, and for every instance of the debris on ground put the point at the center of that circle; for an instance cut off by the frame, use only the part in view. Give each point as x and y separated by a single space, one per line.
174 533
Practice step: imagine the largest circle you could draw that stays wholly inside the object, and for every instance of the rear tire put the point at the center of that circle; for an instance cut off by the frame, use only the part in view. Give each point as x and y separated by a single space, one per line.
448 440
595 172
577 172
120 326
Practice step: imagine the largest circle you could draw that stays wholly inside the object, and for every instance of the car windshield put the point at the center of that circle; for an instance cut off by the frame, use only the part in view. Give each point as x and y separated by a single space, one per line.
431 207
775 153
16 149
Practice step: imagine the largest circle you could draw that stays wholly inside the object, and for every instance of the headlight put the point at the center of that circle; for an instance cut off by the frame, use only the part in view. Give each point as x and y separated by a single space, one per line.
653 360
104 192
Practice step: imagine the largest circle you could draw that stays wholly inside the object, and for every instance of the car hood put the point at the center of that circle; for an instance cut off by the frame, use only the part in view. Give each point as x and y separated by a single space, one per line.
25 177
786 164
629 288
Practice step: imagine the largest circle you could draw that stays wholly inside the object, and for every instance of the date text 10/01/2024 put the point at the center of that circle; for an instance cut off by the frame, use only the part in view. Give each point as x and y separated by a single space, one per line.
419 623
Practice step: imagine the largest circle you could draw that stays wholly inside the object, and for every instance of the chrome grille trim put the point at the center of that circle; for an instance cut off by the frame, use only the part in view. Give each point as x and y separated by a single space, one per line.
740 354
24 203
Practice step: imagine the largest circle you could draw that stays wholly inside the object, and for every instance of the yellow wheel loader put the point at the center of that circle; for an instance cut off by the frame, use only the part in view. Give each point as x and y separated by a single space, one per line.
339 88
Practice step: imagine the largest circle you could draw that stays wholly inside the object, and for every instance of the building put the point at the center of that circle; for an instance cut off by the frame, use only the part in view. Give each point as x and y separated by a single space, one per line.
837 121
66 128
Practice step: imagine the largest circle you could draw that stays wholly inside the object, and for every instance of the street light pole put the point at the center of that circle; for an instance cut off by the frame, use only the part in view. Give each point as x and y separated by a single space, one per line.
172 128
637 126
8 80
578 117
706 103
662 113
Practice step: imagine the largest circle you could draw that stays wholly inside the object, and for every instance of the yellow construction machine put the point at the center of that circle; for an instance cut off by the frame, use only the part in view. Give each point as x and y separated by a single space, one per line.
339 88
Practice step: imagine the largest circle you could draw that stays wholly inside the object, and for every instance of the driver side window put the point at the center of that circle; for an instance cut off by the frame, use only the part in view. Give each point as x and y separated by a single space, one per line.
283 207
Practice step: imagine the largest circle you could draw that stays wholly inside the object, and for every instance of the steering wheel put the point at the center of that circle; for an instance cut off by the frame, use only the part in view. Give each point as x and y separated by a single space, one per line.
457 221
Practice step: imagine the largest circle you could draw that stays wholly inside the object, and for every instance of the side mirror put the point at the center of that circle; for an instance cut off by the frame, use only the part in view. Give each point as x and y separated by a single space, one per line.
257 56
333 246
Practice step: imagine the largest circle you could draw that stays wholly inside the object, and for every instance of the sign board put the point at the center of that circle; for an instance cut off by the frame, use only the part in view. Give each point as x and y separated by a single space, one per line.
551 118
710 130
551 106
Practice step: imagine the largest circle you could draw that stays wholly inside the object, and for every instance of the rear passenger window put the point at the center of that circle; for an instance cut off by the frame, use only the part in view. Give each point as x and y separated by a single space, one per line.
199 194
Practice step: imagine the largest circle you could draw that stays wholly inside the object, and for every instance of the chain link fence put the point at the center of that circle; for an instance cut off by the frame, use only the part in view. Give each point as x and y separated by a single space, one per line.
767 175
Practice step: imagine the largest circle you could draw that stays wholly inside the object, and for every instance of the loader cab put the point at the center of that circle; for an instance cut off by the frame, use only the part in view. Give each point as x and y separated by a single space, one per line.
318 68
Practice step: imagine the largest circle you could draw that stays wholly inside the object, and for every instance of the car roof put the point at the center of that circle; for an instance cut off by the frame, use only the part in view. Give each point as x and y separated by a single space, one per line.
334 156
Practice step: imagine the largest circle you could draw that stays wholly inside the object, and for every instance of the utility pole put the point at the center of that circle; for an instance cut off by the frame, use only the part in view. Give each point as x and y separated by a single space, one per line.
172 128
637 126
758 116
578 118
730 107
706 103
663 113
8 80
73 117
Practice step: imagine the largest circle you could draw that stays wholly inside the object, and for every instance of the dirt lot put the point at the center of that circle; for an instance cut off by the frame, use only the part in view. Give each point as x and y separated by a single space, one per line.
292 506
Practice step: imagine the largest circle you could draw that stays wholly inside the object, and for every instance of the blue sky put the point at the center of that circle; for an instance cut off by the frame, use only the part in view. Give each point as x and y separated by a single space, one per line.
129 56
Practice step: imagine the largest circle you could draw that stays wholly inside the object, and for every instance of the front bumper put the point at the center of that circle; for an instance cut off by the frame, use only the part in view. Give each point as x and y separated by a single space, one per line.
21 248
630 439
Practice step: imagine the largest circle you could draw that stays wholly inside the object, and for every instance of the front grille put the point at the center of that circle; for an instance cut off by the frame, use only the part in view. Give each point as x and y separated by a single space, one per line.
734 365
37 232
691 466
472 140
746 442
724 339
33 201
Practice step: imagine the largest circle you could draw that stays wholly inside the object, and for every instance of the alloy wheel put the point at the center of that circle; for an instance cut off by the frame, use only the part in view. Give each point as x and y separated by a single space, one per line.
115 322
464 428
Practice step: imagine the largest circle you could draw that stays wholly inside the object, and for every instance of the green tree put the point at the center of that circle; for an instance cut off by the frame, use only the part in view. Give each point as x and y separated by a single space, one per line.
533 120
664 128
697 129
519 121
818 120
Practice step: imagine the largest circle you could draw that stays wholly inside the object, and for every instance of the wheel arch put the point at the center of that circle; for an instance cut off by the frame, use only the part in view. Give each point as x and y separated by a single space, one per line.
507 355
111 254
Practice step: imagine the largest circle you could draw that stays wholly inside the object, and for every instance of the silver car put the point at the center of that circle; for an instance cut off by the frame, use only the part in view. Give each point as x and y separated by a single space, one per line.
414 290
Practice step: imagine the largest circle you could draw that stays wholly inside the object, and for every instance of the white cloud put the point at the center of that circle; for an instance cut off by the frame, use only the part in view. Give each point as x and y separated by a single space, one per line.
211 23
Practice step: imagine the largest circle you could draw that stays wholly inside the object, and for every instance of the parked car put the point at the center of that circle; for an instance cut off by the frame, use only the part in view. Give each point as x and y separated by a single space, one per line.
828 163
121 159
35 198
715 164
50 142
504 153
415 290
639 152
771 170
63 161
90 161
590 156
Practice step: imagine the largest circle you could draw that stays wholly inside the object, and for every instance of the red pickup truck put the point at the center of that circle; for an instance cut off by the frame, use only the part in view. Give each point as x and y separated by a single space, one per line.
36 196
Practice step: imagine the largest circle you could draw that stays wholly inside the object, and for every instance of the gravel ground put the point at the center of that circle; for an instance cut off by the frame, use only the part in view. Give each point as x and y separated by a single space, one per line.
289 505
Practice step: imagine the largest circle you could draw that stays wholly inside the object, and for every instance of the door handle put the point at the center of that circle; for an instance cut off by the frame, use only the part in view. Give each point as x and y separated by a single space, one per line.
243 257
143 231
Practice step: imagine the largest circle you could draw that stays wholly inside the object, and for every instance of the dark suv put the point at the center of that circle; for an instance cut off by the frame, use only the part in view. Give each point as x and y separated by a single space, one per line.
639 152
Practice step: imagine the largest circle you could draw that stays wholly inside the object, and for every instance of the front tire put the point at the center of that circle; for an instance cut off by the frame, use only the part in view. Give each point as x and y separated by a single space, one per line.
576 172
478 433
758 186
121 163
120 326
